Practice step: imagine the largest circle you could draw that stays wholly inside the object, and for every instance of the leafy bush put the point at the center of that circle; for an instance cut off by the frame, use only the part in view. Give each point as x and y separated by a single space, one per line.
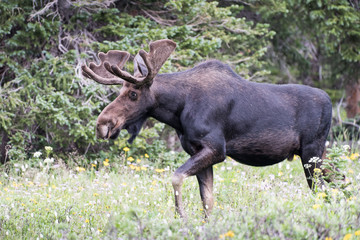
44 99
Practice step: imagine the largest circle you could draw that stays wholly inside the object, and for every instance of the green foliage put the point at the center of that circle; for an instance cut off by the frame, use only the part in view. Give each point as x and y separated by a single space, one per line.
316 41
46 101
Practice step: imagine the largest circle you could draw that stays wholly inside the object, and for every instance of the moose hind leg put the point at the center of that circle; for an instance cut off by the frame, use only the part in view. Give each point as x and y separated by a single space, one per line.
311 155
205 179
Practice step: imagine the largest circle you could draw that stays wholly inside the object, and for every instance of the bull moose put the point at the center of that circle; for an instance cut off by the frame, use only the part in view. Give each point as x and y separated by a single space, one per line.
215 113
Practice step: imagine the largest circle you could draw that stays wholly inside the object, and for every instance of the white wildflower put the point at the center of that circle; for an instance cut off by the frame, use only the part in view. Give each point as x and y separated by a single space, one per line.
345 147
48 148
37 154
49 160
307 166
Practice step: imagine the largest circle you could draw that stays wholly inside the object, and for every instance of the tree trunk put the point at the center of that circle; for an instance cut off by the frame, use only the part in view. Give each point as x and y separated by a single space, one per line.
352 99
3 147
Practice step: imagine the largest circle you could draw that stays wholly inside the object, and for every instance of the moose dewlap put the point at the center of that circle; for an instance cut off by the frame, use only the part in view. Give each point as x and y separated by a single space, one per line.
215 113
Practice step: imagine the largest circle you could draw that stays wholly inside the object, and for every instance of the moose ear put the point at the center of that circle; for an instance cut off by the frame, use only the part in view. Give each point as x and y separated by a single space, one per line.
140 69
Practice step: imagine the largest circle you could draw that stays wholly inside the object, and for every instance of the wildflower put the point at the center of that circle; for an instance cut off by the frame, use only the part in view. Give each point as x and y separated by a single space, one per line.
347 236
316 206
106 160
137 168
48 148
354 156
345 147
159 170
130 159
87 220
351 171
96 194
321 195
0 183
143 168
334 191
99 230
280 173
132 167
233 180
317 170
106 163
307 166
357 233
37 154
138 160
146 155
49 160
126 149
328 238
80 169
93 165
229 234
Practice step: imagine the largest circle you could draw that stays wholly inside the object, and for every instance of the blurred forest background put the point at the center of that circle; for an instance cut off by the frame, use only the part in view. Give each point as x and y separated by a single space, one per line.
45 101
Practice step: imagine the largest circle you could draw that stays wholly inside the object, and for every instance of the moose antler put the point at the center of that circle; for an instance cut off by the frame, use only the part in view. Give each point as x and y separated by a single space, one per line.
159 52
102 75
146 65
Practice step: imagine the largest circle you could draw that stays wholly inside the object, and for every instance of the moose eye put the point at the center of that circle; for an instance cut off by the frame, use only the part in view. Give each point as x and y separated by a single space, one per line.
133 95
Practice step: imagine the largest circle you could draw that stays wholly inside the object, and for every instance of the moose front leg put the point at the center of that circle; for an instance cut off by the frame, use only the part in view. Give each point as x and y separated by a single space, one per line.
205 179
199 164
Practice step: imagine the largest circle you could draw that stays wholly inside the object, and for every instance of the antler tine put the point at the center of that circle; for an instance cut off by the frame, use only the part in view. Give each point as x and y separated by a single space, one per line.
159 52
102 73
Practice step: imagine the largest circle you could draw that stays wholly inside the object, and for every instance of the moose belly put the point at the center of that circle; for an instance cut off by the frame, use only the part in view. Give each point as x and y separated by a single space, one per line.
264 148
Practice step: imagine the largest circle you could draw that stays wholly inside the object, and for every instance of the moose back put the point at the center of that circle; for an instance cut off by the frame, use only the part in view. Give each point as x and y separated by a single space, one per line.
215 113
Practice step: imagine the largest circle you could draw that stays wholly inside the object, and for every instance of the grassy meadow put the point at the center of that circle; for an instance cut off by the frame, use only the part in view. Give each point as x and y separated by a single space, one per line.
128 198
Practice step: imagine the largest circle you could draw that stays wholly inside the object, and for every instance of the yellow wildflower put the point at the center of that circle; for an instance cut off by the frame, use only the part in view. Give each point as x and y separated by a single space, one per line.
138 160
96 194
87 220
143 168
0 183
126 149
334 191
106 163
354 156
53 186
347 236
233 180
317 170
80 169
130 159
328 238
146 155
316 206
93 165
99 230
357 233
132 167
106 160
351 171
137 168
321 195
159 170
229 234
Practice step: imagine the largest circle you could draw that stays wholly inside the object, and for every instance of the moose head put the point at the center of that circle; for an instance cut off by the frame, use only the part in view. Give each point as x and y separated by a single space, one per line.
129 110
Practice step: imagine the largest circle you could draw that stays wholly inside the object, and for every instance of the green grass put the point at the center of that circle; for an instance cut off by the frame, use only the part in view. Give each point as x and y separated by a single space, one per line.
122 202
